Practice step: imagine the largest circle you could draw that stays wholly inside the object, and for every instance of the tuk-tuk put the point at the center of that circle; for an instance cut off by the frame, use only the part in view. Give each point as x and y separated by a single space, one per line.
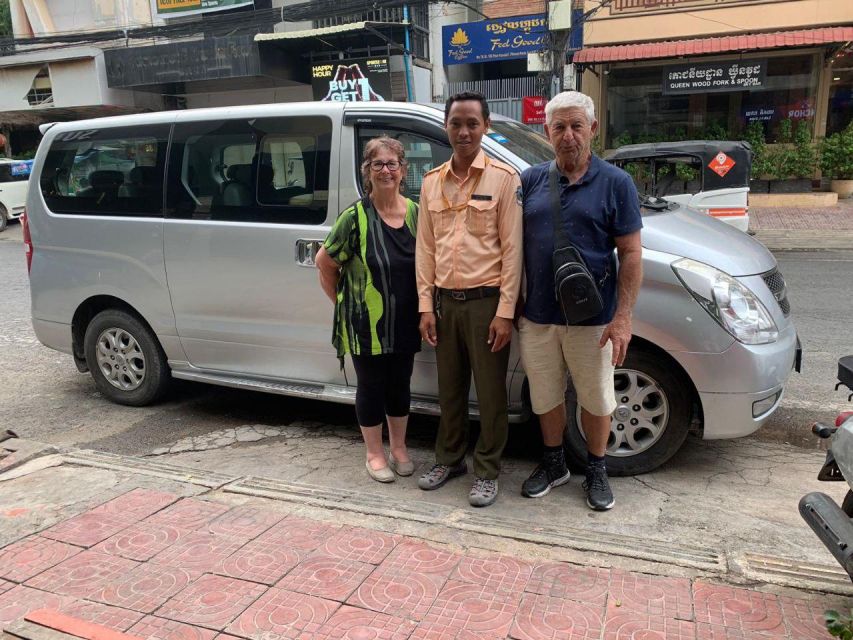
709 175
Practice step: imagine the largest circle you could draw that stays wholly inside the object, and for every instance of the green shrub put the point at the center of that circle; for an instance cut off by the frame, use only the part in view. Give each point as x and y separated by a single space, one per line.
839 626
761 165
836 155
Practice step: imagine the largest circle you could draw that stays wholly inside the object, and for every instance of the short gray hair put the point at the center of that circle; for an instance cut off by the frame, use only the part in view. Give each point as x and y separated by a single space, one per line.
568 99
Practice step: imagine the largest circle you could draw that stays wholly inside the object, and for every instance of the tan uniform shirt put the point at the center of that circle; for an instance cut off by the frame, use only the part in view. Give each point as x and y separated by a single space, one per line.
469 232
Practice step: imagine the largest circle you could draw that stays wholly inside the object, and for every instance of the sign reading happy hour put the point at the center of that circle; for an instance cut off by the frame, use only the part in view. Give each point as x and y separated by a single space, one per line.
361 80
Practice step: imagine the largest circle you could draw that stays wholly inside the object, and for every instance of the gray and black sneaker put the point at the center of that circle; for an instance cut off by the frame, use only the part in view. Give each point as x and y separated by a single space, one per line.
483 492
597 488
439 474
551 472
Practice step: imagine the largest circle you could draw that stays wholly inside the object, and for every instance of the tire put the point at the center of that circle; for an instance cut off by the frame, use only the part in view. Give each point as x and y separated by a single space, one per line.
847 505
3 220
125 359
665 406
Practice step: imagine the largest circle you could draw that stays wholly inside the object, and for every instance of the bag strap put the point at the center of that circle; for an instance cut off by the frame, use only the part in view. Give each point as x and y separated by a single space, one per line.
561 240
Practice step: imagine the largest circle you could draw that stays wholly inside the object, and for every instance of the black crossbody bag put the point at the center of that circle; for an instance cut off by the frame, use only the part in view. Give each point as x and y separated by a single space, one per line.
574 285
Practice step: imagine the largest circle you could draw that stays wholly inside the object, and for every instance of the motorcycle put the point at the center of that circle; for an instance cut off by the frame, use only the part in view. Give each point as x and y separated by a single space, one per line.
832 523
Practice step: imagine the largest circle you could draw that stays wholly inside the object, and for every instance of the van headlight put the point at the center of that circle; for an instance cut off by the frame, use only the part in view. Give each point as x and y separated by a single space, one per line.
729 302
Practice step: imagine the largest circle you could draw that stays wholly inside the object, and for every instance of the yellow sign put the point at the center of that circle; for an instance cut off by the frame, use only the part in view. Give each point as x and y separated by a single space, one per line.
172 5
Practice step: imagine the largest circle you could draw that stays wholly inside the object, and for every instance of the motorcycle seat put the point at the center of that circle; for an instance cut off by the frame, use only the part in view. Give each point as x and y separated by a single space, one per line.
845 371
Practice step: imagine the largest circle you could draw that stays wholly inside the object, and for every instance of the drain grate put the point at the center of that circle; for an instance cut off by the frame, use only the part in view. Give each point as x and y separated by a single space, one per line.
344 499
87 458
790 572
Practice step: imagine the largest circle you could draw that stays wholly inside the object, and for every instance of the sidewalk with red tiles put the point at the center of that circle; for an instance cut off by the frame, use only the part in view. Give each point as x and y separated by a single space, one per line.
836 218
158 566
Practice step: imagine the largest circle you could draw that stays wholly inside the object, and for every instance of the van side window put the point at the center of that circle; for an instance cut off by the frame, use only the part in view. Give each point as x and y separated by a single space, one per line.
112 172
422 153
273 170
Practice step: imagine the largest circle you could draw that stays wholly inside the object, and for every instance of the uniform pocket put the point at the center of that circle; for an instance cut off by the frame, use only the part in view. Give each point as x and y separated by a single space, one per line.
481 217
439 216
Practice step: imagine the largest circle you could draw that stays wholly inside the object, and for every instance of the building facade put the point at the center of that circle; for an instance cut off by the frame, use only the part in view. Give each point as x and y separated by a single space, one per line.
680 69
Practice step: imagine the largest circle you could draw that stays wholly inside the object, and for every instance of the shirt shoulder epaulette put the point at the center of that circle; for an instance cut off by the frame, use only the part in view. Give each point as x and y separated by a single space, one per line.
497 164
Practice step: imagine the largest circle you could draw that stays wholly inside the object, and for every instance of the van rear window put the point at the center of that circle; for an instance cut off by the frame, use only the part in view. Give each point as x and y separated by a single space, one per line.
113 171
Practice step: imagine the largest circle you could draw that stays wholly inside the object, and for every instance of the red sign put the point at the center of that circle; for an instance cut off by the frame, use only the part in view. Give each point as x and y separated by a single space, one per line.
721 164
533 110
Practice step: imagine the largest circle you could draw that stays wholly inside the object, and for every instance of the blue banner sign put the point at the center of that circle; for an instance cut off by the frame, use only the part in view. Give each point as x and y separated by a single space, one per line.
491 40
22 168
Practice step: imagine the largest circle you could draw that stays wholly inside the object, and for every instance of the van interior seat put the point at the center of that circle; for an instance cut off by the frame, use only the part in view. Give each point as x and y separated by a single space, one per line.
141 181
237 191
102 183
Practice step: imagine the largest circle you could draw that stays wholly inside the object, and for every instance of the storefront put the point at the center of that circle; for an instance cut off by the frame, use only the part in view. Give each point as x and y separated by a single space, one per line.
643 93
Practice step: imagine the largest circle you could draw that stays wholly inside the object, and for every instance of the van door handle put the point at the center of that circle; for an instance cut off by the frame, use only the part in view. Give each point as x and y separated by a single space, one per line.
306 252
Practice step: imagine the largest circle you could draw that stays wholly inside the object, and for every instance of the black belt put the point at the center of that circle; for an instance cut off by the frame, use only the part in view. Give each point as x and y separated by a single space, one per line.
470 294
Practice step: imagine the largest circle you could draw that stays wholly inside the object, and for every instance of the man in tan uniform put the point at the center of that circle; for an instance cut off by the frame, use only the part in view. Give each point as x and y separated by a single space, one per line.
468 262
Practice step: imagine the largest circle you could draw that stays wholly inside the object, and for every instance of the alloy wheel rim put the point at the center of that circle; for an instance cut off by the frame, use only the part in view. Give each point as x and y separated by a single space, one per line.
641 415
120 359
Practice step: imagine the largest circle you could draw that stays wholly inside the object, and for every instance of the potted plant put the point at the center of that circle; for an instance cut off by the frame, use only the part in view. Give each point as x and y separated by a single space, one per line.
761 166
793 161
689 176
836 161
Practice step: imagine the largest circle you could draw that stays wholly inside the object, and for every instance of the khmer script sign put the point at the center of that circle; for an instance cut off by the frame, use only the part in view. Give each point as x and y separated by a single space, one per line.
735 75
490 40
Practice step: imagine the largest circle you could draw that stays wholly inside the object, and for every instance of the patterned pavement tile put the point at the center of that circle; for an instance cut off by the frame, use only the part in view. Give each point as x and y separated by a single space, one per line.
199 551
361 545
401 593
85 573
477 608
740 609
141 541
326 577
547 618
5 586
225 636
654 595
436 631
561 580
283 614
87 529
245 522
496 572
152 628
29 557
110 617
805 617
19 601
212 601
189 513
421 558
146 587
137 504
632 625
705 631
260 561
349 623
299 533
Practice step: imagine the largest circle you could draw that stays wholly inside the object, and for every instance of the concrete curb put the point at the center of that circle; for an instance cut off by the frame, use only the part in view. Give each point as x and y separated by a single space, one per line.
805 239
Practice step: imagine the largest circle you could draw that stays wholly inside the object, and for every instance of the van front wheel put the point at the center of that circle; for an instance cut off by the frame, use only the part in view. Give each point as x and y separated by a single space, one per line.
651 420
125 358
3 219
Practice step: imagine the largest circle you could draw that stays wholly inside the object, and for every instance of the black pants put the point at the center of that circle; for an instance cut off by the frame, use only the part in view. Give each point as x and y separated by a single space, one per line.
383 387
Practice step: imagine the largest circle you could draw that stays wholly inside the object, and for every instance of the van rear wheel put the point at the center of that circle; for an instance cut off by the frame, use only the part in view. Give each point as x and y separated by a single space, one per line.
125 358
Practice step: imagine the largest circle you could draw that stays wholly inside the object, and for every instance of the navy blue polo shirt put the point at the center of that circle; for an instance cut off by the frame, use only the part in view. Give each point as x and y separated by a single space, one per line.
598 208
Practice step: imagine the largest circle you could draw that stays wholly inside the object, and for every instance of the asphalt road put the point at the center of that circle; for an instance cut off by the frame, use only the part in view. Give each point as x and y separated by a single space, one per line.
42 396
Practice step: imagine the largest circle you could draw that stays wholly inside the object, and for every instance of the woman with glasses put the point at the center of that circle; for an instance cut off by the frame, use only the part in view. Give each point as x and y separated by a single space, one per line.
367 268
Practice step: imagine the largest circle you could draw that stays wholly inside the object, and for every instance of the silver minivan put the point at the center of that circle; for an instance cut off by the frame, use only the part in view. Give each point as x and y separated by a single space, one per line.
181 244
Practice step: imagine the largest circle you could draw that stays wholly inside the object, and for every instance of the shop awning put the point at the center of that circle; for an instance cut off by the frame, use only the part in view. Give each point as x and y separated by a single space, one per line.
706 46
325 31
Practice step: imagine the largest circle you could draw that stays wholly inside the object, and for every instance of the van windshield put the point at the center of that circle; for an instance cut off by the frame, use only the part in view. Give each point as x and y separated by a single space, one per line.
521 140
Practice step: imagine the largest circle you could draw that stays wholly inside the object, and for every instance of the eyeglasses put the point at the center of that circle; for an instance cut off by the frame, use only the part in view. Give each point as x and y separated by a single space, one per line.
377 165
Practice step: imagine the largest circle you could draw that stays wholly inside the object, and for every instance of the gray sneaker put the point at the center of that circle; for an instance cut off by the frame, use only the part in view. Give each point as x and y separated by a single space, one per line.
483 492
439 474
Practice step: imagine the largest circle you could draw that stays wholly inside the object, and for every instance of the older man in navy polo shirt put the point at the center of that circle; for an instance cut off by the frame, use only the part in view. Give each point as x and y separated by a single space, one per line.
600 212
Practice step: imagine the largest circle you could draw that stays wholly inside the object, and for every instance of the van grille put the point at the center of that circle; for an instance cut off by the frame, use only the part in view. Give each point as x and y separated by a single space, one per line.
776 283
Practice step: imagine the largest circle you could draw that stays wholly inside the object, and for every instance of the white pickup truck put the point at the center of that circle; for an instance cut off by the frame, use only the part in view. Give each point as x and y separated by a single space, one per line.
14 179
